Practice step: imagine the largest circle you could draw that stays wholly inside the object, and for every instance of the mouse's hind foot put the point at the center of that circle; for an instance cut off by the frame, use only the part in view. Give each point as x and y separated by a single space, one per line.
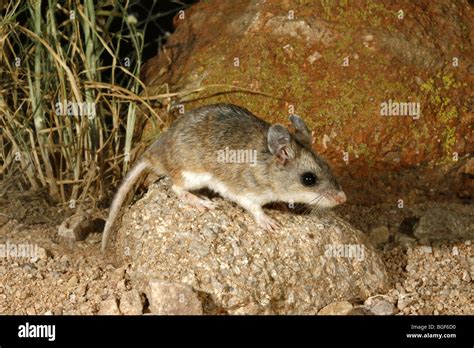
200 203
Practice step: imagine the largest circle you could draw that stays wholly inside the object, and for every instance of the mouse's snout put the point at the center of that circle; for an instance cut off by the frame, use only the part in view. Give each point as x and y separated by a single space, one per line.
336 197
340 197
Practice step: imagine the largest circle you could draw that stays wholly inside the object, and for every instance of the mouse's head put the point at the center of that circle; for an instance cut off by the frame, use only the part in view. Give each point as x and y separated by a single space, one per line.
301 175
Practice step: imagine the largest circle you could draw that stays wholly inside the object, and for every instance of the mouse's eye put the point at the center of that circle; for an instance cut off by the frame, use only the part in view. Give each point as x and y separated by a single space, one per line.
308 179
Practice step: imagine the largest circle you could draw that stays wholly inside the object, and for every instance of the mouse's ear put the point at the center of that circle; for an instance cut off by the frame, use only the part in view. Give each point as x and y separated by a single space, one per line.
279 143
302 133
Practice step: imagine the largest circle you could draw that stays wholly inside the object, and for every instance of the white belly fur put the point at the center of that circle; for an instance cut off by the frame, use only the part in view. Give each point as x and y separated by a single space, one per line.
196 181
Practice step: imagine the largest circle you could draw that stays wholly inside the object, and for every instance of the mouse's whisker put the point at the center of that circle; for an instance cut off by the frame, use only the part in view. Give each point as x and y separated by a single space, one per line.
307 210
316 200
314 206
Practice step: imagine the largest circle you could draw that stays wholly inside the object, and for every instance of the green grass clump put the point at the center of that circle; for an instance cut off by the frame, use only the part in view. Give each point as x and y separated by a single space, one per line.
64 52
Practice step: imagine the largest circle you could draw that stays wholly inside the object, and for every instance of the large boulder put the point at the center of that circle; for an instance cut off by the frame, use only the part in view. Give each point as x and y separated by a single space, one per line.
313 260
338 64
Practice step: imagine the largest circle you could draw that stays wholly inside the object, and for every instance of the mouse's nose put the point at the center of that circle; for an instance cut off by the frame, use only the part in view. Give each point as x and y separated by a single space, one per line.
341 197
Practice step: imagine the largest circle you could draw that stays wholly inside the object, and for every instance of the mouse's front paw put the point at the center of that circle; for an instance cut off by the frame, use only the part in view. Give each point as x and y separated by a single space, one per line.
267 223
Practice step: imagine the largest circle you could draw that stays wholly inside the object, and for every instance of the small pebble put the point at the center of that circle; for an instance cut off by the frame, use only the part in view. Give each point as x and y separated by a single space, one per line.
426 249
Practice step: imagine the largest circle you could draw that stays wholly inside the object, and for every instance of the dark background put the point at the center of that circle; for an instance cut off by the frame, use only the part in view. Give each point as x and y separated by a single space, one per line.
160 14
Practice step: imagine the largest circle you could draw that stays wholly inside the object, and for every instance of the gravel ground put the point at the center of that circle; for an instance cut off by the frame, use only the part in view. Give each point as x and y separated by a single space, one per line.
432 279
67 279
76 278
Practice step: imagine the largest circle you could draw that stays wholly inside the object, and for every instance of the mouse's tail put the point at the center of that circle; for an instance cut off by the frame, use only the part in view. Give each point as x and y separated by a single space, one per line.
120 196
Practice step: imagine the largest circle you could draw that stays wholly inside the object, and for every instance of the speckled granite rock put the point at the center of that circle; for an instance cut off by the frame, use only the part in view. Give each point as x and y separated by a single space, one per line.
310 262
172 299
439 223
337 308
